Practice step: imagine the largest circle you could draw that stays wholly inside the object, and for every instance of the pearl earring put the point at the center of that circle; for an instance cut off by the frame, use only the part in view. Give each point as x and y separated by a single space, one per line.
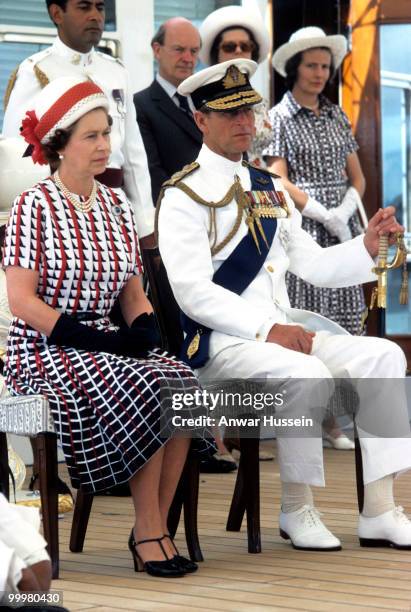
61 156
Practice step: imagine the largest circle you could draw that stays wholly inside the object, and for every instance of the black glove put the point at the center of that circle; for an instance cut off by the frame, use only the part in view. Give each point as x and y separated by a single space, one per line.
132 342
144 332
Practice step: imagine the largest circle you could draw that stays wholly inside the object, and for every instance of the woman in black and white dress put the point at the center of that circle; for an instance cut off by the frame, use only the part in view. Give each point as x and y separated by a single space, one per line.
70 251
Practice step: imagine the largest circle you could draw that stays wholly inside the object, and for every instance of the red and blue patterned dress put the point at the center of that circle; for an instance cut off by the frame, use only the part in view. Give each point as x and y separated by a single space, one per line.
106 408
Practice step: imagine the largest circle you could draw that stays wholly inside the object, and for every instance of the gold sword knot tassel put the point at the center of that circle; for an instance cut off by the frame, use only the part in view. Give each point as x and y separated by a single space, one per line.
379 293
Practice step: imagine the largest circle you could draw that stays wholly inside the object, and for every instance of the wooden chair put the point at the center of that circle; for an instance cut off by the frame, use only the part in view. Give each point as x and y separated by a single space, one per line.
246 497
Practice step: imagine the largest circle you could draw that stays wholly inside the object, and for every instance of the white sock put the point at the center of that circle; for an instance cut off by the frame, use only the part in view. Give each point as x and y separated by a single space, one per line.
295 495
379 496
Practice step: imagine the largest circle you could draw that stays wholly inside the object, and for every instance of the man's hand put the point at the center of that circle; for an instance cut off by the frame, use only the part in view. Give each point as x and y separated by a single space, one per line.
293 337
383 222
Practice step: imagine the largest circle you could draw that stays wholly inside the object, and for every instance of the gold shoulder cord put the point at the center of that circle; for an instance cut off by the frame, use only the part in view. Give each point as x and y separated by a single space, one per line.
9 87
235 192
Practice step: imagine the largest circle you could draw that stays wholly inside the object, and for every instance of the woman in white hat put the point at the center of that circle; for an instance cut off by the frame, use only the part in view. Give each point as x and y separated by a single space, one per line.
314 151
234 32
70 251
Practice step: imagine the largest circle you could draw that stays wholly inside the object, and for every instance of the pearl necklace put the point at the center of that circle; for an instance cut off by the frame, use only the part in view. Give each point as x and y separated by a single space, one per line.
83 207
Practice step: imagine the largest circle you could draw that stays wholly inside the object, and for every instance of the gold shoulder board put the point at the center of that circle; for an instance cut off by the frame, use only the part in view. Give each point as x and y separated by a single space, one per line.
41 76
171 182
178 176
9 87
248 165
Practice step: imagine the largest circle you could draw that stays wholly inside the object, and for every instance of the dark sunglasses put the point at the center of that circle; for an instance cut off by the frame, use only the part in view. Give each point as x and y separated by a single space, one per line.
231 47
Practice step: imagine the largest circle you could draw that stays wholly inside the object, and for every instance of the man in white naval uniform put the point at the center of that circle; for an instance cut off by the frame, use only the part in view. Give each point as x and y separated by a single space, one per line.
254 332
80 25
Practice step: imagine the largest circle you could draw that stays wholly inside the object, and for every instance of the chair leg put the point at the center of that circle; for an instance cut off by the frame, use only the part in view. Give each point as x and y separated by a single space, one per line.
81 516
250 453
237 508
191 477
4 465
186 496
246 496
48 473
175 509
359 471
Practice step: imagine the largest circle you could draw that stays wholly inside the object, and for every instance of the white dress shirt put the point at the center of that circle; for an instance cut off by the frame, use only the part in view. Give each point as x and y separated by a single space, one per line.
171 90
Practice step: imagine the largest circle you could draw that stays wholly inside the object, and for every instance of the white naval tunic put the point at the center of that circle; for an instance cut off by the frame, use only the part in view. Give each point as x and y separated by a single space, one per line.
127 146
241 323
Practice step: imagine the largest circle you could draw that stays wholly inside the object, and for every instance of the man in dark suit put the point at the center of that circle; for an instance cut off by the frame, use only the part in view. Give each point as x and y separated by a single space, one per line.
170 136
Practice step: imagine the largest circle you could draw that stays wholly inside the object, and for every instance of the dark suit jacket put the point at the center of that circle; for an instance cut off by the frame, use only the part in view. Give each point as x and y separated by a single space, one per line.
170 137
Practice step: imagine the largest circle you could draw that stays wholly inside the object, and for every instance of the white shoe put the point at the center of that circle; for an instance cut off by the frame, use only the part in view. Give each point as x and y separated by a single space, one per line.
341 442
393 528
306 530
224 457
265 455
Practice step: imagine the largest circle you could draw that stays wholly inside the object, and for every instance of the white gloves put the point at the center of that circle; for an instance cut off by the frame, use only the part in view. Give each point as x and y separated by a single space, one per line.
316 211
351 201
336 219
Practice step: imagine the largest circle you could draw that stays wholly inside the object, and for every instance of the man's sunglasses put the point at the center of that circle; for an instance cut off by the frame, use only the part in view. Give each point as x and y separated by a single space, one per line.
231 47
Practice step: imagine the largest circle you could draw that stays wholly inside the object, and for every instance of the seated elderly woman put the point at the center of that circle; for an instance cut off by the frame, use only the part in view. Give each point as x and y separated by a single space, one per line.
70 251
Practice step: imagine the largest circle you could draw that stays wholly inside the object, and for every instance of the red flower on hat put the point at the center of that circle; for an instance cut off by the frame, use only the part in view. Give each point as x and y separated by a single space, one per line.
28 126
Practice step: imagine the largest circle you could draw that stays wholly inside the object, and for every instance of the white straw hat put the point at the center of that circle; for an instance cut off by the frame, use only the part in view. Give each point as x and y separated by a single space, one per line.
230 17
309 38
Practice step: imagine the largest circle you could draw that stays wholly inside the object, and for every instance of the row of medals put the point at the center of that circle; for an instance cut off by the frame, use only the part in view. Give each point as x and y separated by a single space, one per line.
264 205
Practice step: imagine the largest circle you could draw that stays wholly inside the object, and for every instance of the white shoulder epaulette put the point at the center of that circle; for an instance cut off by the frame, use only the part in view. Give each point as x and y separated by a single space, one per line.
110 58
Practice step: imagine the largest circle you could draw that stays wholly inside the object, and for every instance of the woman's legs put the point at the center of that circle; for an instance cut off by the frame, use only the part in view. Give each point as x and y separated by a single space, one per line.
152 489
175 455
144 487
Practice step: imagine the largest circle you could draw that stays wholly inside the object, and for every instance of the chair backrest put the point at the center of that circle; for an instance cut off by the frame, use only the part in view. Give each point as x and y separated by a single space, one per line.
164 303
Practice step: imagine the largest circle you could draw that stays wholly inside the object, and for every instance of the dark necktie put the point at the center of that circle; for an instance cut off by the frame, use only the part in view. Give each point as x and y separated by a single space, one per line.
183 104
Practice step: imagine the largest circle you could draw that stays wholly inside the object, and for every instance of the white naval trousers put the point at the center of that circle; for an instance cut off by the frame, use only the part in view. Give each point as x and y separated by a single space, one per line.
333 356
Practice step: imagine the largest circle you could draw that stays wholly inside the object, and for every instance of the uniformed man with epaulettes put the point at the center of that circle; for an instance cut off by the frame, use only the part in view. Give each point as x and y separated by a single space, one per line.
228 232
80 26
